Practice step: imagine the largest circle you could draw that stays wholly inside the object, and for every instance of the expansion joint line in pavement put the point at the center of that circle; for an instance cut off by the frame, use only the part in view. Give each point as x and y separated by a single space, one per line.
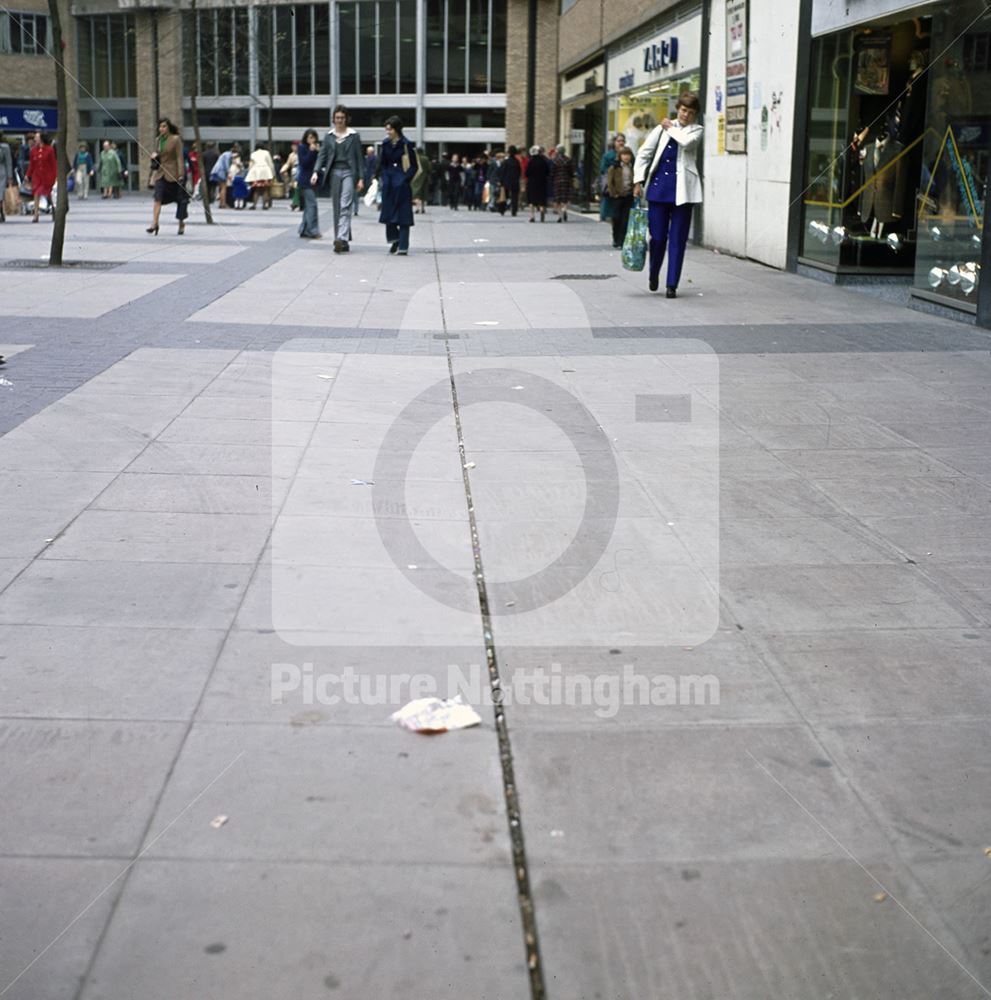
521 868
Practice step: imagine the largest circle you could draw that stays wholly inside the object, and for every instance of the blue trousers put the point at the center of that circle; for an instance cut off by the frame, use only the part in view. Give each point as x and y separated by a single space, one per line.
668 224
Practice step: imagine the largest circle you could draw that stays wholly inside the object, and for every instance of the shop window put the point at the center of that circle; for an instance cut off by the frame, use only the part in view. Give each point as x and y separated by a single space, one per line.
954 177
466 117
867 128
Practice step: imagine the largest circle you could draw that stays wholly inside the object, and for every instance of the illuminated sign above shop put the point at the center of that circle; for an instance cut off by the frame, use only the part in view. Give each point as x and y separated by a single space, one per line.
659 56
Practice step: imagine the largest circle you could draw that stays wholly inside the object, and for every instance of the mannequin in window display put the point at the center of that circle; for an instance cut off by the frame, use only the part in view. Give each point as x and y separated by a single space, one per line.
882 199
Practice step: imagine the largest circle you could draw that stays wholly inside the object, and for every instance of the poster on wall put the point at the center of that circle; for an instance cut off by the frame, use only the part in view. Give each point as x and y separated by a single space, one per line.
873 69
736 76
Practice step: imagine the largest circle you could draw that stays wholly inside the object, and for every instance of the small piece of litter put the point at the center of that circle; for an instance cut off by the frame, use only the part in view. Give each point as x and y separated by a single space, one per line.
412 566
470 465
326 377
362 482
987 852
481 255
880 897
517 387
510 604
436 715
5 381
480 241
49 539
218 821
486 322
557 833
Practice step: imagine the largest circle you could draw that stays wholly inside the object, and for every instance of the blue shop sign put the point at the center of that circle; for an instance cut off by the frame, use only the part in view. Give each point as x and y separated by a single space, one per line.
660 55
28 119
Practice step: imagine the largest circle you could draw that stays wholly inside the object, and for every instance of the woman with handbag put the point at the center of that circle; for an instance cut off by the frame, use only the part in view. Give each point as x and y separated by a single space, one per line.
340 163
666 169
168 173
397 167
42 171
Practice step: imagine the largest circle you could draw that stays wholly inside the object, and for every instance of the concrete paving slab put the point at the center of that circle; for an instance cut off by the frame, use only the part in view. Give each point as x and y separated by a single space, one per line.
81 296
868 674
125 594
96 672
45 949
187 927
322 773
190 493
83 812
745 929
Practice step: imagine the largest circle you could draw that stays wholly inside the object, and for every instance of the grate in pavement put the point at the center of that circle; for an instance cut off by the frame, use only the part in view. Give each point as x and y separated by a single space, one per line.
582 277
76 265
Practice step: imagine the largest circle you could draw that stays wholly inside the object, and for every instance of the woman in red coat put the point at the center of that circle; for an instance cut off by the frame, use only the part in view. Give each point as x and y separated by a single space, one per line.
42 170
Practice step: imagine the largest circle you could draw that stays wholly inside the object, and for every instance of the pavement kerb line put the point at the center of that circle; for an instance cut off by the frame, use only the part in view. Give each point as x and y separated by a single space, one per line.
521 872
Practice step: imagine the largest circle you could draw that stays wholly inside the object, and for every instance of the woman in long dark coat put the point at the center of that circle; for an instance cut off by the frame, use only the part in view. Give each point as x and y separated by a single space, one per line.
538 172
563 175
396 169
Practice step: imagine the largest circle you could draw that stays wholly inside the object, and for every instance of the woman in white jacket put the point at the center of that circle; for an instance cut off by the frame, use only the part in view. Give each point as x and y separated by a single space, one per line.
666 169
261 173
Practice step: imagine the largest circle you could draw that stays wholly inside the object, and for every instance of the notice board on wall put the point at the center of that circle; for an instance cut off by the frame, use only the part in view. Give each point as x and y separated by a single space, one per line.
736 76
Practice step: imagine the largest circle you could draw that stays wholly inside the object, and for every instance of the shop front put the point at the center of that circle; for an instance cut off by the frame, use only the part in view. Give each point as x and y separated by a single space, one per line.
897 149
583 123
644 77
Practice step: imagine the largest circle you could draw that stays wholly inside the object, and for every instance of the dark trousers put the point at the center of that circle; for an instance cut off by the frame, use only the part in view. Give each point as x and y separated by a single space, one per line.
453 196
397 234
513 194
668 224
620 218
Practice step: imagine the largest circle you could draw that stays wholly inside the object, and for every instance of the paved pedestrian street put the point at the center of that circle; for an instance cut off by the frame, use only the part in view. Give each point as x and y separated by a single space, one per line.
711 570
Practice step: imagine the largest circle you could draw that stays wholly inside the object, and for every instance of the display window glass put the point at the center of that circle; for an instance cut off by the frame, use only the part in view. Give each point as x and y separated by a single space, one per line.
867 137
636 113
953 183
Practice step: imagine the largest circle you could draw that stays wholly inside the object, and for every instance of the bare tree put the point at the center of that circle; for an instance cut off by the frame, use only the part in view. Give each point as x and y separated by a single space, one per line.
189 70
61 207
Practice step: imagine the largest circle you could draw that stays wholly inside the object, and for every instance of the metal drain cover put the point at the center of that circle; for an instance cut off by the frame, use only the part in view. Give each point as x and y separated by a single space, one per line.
582 277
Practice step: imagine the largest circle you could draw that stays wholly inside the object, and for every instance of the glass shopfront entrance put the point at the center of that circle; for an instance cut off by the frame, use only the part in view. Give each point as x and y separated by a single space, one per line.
897 149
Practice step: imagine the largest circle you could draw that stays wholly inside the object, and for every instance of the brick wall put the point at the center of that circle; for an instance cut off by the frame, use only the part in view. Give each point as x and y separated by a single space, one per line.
517 95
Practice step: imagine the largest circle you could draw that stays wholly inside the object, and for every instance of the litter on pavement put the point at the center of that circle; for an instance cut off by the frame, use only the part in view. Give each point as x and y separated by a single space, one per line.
436 715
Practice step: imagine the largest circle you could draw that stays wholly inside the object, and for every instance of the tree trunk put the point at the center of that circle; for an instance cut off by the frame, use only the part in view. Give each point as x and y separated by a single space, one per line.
61 208
189 63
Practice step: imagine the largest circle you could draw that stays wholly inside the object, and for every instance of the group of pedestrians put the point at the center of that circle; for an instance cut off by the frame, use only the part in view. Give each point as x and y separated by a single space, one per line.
109 170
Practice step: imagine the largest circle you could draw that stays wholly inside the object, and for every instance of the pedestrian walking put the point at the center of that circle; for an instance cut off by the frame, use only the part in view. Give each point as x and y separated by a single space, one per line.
563 180
497 196
261 173
397 165
210 157
619 184
666 168
220 174
289 172
122 179
420 187
237 184
7 178
609 159
339 162
306 156
455 182
42 171
538 175
109 173
82 167
168 175
512 171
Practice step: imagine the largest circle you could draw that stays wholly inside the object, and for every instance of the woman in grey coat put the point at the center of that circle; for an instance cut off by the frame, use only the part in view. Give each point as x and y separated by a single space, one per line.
6 173
340 156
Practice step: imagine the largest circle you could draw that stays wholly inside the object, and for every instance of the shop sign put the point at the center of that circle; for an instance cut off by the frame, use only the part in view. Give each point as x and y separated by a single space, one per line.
660 55
577 137
674 52
736 76
28 119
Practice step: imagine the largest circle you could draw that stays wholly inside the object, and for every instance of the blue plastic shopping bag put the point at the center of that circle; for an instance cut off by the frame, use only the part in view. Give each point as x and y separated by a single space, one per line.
635 245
